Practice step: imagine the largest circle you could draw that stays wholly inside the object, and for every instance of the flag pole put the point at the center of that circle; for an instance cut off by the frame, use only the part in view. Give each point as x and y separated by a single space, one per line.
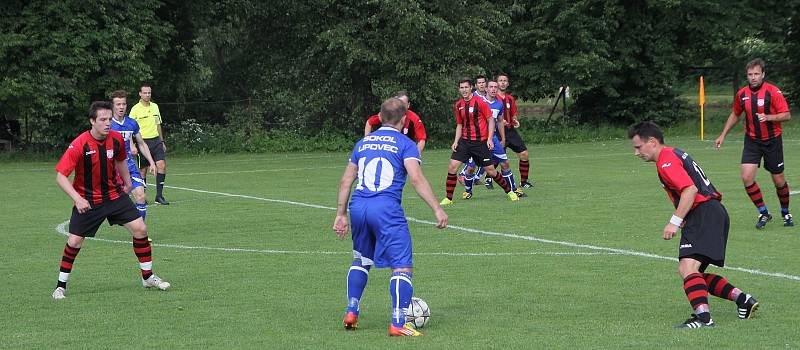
702 102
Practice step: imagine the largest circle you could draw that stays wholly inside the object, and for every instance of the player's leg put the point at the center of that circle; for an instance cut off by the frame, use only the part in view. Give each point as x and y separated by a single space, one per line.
719 287
124 213
460 156
469 178
138 186
71 250
773 162
401 290
696 289
157 152
394 249
751 158
524 168
363 255
494 174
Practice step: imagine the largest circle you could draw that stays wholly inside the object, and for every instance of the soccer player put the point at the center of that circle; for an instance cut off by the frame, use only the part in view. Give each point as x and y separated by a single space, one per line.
98 158
498 152
703 219
380 163
129 129
148 116
513 139
765 109
480 86
413 127
474 138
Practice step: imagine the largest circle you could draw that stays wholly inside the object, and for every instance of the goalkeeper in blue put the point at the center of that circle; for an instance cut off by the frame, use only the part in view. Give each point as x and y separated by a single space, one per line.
379 165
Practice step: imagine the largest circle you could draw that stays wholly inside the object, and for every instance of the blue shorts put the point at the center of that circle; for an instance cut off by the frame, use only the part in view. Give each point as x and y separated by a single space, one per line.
136 177
380 233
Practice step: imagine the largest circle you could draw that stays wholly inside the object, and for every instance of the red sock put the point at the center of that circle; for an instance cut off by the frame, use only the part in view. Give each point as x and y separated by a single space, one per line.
697 292
450 186
524 166
141 246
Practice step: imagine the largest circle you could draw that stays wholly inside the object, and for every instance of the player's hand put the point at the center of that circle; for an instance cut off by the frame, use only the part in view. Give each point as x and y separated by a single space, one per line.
669 231
515 123
718 142
340 225
82 205
490 144
441 218
454 146
164 146
761 117
134 151
503 143
152 169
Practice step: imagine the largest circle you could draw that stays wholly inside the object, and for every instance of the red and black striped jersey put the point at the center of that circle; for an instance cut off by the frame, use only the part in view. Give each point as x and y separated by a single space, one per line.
768 100
509 108
473 115
96 177
677 171
413 127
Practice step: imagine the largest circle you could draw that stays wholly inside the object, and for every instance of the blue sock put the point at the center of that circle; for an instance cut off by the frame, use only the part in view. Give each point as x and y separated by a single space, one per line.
142 210
356 282
479 173
468 180
784 211
509 176
401 290
763 209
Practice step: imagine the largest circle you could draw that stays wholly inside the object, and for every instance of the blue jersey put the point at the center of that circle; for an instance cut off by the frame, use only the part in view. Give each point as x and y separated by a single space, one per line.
380 156
497 111
128 127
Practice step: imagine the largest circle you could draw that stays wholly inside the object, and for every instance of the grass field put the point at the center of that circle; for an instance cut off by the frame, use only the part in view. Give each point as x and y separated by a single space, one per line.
248 247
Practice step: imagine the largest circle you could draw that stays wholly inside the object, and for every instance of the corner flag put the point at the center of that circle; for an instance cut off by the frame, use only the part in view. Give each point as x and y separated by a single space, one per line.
702 102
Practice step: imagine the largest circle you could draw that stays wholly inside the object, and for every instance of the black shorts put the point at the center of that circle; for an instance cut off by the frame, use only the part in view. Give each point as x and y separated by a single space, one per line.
514 141
118 212
156 147
477 150
705 234
771 150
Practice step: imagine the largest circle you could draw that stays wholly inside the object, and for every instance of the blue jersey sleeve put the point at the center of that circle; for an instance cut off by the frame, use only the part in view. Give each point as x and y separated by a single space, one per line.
410 150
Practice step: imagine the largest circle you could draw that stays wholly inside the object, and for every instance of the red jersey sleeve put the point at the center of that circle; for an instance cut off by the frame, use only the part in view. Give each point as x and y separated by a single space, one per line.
673 173
66 165
374 120
485 111
513 103
458 114
778 103
419 129
737 103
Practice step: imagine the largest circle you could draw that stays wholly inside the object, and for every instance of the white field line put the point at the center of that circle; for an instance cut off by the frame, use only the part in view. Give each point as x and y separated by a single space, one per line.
506 235
62 229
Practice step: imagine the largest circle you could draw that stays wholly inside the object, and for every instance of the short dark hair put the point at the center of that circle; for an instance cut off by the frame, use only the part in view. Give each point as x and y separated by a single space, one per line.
480 76
501 74
400 94
392 110
465 80
119 94
145 84
645 130
98 105
756 62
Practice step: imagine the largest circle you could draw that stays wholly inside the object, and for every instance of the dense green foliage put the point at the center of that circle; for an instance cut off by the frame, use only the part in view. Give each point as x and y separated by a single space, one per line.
319 67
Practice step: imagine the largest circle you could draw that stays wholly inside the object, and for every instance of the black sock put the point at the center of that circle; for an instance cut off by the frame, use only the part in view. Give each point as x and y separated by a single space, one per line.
160 183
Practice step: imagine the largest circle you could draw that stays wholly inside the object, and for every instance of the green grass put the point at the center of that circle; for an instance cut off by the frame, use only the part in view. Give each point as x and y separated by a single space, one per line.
288 290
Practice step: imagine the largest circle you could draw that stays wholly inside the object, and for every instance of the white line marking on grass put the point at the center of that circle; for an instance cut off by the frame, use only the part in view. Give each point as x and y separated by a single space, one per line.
62 229
498 234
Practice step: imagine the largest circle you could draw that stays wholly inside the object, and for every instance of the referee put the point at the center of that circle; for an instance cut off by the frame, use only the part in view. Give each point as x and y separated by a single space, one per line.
148 116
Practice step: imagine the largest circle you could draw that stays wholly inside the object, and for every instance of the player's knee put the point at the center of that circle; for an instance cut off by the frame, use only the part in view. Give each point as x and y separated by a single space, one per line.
139 195
75 241
523 155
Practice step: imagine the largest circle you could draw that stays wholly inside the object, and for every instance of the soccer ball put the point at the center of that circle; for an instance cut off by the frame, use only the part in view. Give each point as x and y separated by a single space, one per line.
418 313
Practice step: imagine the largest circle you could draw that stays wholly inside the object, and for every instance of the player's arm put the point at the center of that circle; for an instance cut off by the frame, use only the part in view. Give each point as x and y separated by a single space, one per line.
340 224
684 205
367 128
145 153
161 137
420 145
490 140
501 129
458 137
732 120
80 203
132 145
423 188
780 117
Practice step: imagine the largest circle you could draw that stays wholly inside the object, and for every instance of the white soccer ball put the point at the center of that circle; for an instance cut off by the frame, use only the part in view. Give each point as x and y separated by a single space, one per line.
418 313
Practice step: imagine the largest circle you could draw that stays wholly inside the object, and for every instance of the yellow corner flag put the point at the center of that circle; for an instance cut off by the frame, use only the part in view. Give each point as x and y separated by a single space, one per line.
702 92
702 102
